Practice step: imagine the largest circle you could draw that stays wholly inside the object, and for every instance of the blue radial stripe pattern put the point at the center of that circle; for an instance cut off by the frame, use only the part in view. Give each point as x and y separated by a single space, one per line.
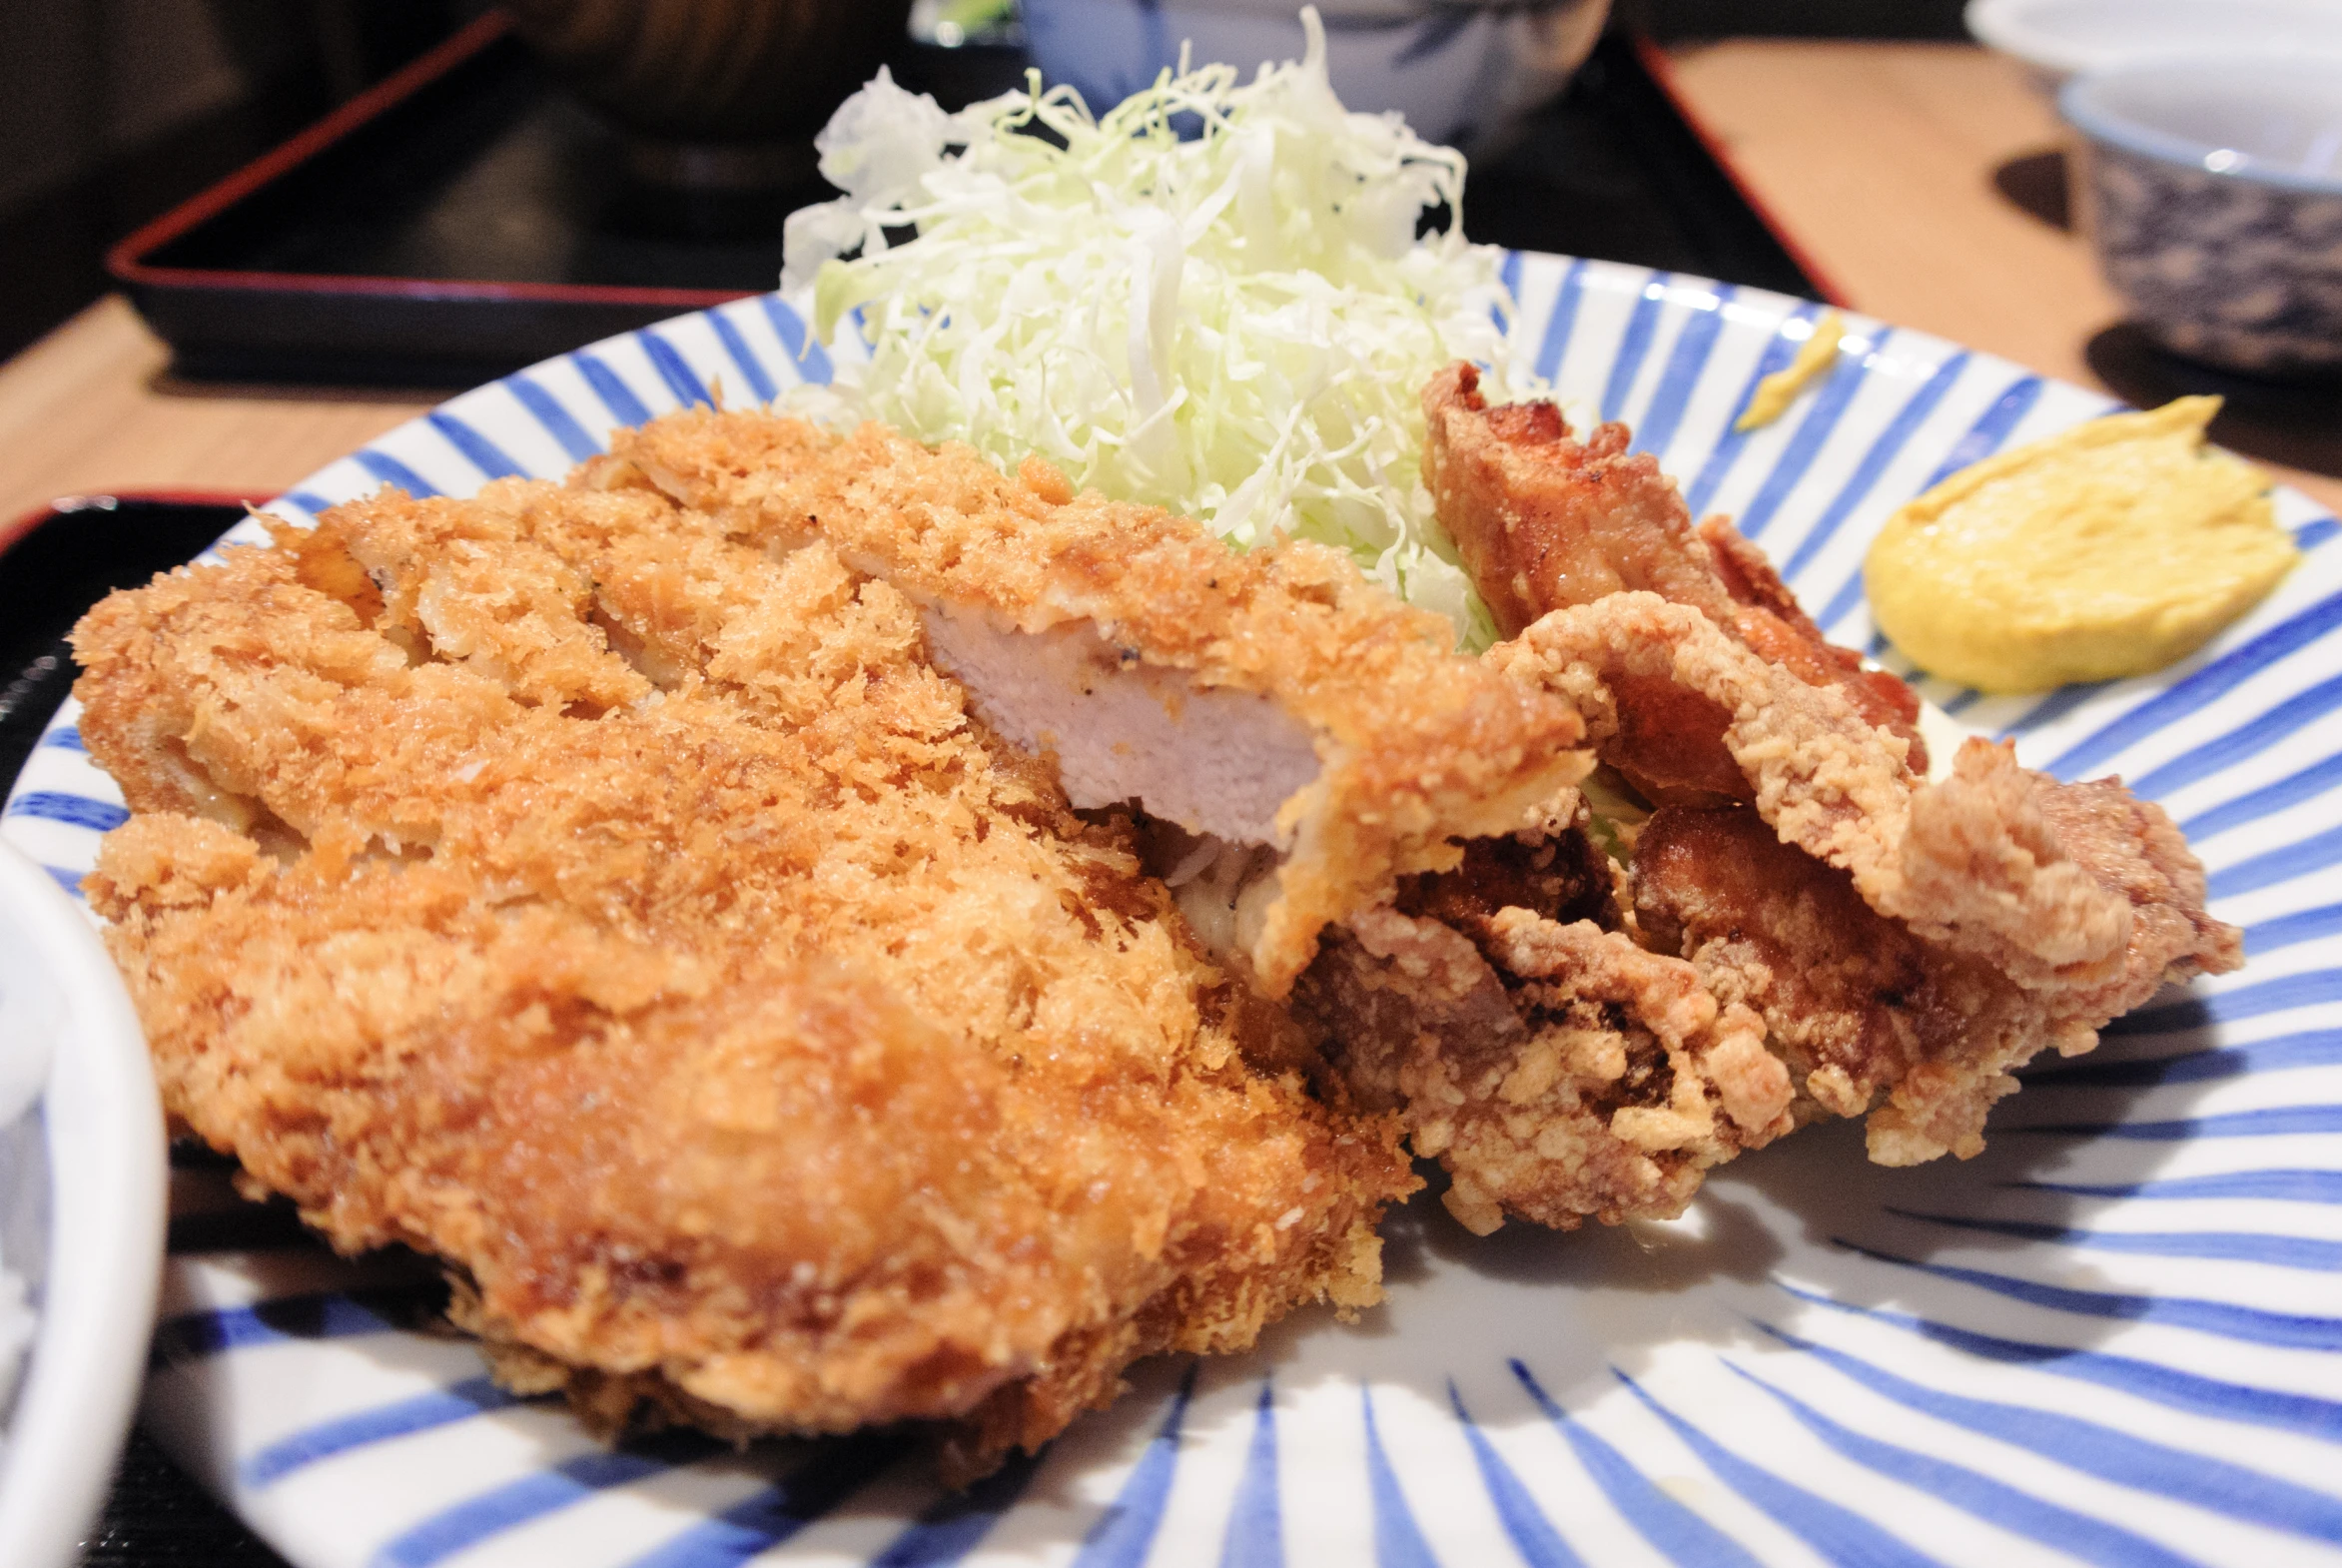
2236 1004
800 1498
402 1418
760 382
2277 865
1398 1540
952 1527
1561 319
2142 1378
1123 1533
1256 1527
2235 1246
388 469
674 370
1677 1531
1839 1534
1981 441
319 1315
1642 325
1780 349
1655 429
619 401
2278 1186
2312 1048
2102 1451
2277 1121
2010 1507
79 811
2308 925
2246 740
555 419
2249 1325
477 450
808 361
1858 487
2123 1299
1814 430
2193 694
508 1507
1525 1525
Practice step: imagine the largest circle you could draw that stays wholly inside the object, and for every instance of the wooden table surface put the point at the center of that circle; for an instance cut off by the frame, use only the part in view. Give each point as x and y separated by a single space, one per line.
1879 158
1886 164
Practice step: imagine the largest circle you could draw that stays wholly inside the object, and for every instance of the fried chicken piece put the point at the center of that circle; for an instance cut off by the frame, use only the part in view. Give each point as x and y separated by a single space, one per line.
638 923
2079 899
1555 1068
1545 522
1271 702
1856 1004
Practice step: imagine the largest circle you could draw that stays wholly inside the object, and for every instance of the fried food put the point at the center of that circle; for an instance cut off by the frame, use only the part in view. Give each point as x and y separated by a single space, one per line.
1274 701
1555 1068
636 920
1907 944
1857 1005
1545 522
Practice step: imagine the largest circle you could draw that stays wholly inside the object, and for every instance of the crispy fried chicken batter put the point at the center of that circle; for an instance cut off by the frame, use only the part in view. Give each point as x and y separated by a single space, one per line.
635 918
1907 944
1555 1068
1544 521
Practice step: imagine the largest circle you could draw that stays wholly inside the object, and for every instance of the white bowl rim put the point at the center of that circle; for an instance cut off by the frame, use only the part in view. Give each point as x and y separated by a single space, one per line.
2077 103
2008 25
107 1202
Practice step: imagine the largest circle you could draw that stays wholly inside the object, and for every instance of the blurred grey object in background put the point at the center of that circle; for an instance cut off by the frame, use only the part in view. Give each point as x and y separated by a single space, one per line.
713 71
112 111
1669 19
1462 71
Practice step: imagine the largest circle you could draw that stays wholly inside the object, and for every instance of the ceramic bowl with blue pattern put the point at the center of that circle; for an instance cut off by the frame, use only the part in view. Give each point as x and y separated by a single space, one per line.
2215 202
1463 72
2114 1338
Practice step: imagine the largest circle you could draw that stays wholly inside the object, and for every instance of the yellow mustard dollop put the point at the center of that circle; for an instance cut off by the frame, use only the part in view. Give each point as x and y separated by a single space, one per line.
1776 391
2112 549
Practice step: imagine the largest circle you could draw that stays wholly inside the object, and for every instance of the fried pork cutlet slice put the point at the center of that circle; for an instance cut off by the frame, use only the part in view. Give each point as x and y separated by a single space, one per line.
1545 522
1554 1067
639 923
1311 738
2003 912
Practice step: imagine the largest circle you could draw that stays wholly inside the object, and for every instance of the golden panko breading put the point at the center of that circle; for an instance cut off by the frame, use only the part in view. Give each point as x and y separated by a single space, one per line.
637 921
1406 746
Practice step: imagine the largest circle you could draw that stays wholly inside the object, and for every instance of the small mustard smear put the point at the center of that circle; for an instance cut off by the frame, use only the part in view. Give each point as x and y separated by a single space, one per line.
2112 549
1776 391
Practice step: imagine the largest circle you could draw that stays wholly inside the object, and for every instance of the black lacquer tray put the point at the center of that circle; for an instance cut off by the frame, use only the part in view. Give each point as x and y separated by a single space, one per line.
467 218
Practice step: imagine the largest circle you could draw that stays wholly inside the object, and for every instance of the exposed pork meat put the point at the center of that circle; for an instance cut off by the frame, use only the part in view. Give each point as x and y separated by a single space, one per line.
1270 700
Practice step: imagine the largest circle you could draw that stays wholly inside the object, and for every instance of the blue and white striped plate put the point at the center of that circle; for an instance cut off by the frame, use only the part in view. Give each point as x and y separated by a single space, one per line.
2115 1337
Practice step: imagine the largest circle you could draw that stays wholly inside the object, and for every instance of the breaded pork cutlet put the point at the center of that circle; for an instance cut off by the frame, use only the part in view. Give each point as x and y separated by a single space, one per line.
1906 944
1313 756
1311 738
638 923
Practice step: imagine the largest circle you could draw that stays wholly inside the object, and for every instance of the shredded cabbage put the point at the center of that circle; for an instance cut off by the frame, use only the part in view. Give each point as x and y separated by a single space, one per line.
1235 324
